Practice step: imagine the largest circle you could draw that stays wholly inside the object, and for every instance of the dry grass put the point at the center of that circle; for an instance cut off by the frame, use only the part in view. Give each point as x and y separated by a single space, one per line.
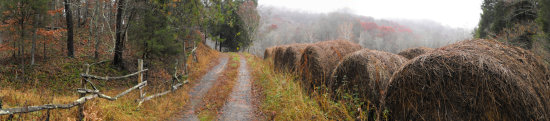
216 97
471 80
414 52
319 60
283 98
125 108
268 53
207 58
361 78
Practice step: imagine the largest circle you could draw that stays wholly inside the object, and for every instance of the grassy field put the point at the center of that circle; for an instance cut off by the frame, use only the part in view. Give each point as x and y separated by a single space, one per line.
283 98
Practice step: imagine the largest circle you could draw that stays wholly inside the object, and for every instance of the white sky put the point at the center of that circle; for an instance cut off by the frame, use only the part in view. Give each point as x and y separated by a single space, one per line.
454 13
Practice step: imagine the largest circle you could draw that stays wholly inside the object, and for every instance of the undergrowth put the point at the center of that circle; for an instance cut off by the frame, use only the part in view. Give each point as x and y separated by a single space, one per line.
54 82
283 97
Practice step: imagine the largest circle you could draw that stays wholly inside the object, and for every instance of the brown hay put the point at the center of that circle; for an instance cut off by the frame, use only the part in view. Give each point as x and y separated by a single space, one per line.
319 60
292 55
471 80
365 73
278 56
414 52
268 53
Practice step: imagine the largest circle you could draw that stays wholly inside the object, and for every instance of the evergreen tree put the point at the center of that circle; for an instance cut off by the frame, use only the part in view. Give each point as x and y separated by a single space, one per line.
508 21
155 36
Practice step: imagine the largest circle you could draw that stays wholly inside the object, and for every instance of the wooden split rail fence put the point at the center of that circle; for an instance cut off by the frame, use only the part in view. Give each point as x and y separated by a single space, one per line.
88 94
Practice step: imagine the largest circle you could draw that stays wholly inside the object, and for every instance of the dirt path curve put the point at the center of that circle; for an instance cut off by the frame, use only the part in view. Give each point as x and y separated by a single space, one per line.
201 89
239 106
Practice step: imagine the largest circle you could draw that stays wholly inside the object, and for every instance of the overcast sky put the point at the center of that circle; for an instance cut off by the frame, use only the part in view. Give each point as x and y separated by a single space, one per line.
454 13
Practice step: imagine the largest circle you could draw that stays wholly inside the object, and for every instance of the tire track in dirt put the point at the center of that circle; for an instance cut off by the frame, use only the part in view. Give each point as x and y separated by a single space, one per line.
239 105
201 89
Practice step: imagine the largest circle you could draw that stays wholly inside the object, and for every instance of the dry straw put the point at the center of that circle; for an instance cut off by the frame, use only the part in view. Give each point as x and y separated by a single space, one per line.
365 73
319 60
292 55
414 52
471 80
278 56
268 53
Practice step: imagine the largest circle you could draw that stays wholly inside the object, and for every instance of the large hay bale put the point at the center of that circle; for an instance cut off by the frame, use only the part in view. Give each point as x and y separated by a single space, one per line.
319 60
268 53
292 55
414 52
365 73
471 80
278 56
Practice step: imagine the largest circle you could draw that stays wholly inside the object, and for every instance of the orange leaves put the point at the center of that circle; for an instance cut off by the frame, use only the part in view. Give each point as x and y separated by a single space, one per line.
6 12
53 12
51 33
5 47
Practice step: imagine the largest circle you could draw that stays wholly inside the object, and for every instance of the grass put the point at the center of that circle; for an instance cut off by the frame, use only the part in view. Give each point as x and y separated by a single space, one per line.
55 81
216 97
283 98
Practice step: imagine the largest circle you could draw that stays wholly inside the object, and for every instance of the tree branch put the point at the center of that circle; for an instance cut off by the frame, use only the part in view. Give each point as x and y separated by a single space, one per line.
111 78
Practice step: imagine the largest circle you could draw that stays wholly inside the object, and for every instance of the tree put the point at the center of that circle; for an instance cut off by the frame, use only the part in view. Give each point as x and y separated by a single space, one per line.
20 12
509 21
544 16
233 30
251 19
119 45
156 38
70 34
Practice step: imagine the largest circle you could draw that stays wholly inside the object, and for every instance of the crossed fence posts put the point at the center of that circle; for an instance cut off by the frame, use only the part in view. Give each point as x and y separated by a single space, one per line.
88 94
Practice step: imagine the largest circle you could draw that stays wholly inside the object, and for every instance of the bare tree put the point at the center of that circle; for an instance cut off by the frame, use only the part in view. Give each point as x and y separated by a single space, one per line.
68 14
119 45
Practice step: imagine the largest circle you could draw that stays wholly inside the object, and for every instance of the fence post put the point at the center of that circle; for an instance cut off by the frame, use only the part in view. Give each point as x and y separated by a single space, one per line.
140 78
83 84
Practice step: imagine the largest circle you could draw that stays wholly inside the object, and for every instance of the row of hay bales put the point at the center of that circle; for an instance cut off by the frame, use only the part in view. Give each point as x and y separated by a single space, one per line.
468 80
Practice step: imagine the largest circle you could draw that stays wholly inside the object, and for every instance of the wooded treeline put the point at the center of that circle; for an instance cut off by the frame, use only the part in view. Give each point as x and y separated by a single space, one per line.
523 23
115 29
279 26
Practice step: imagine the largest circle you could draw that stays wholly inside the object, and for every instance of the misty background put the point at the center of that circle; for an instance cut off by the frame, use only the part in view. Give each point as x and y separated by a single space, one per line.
279 26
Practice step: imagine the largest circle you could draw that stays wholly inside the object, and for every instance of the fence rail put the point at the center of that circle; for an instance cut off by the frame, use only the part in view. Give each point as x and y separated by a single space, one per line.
89 94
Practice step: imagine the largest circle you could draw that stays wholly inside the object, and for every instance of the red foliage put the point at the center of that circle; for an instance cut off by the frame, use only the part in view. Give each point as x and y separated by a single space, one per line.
273 27
401 28
369 25
386 29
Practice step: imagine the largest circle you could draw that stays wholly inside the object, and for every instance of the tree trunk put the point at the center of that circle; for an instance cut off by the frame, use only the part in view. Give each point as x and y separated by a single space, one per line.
78 6
86 13
184 58
70 45
33 49
96 18
119 45
22 48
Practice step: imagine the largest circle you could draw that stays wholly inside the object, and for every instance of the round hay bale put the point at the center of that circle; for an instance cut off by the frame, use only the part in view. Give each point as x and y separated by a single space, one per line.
470 80
365 73
278 56
414 52
319 60
292 55
268 53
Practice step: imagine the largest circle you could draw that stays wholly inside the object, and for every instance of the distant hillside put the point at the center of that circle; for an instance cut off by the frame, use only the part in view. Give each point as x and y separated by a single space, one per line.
280 26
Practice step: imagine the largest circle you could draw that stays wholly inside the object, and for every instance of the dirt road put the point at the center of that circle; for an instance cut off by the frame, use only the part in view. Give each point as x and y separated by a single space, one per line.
201 89
239 106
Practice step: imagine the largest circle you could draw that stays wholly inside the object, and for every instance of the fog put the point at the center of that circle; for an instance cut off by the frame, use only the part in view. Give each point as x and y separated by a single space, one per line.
280 26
